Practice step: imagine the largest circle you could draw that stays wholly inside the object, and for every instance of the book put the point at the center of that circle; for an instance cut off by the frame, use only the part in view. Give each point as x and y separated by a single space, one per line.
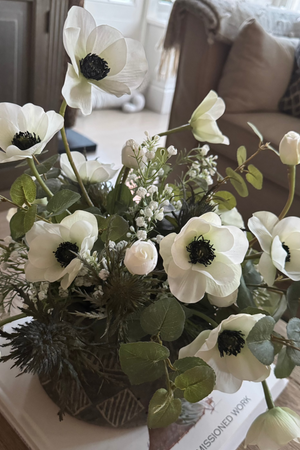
221 420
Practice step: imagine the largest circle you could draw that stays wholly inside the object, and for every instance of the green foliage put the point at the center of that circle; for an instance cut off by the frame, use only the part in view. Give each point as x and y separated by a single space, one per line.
163 410
293 333
284 365
45 166
113 228
53 184
254 177
23 190
237 182
184 364
244 298
165 317
22 221
241 155
119 199
293 297
197 382
143 361
226 200
259 340
62 201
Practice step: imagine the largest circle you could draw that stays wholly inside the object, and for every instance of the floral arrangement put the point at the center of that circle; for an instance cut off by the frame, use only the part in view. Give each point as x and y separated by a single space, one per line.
139 263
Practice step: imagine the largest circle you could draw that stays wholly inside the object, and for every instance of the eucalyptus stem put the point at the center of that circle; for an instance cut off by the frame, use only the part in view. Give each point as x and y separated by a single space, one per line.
253 256
4 199
292 184
268 395
175 130
125 175
204 317
38 177
12 319
68 152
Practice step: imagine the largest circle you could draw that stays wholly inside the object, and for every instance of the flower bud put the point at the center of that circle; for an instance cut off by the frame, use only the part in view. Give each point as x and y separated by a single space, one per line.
274 429
289 149
141 258
130 153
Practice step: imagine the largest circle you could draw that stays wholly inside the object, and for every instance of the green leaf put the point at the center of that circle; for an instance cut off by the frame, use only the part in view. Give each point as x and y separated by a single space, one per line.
114 228
273 302
252 311
259 340
143 361
45 166
226 200
23 190
184 364
237 182
119 199
241 155
254 177
258 133
53 184
163 410
62 201
244 298
164 316
22 221
293 333
284 366
197 383
293 297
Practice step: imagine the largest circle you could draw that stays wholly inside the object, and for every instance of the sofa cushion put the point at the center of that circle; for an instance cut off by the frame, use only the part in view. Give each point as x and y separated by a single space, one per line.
257 71
290 102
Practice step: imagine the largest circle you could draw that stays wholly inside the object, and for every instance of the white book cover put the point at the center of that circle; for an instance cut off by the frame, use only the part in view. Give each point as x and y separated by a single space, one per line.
223 424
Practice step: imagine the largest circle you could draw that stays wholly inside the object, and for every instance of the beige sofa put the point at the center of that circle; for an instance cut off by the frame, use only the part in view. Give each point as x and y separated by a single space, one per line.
208 35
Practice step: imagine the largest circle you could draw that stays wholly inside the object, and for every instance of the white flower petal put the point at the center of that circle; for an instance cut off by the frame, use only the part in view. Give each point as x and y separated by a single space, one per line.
206 104
261 225
286 226
186 285
223 302
278 254
223 290
165 249
267 269
192 348
245 366
112 86
77 92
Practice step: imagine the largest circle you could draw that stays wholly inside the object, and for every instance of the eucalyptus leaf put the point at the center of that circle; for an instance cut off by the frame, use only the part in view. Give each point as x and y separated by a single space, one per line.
164 316
254 177
284 365
61 201
293 297
163 410
197 383
258 133
119 199
22 221
53 184
293 333
143 361
23 190
115 228
226 200
244 298
259 340
241 155
45 166
184 364
237 182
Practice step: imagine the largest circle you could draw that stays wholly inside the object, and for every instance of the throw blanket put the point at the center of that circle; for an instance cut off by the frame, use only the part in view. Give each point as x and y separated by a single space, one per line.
222 20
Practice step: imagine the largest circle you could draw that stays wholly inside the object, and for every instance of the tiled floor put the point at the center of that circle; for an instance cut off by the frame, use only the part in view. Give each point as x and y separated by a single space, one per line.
110 129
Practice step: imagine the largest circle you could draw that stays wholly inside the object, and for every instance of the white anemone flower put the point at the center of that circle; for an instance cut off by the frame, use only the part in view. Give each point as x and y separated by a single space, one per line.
274 429
89 171
225 349
280 242
25 130
101 57
203 120
53 248
204 257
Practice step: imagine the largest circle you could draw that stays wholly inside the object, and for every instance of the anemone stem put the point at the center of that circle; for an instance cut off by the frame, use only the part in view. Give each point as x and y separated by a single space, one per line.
175 130
268 395
12 319
292 183
71 161
38 177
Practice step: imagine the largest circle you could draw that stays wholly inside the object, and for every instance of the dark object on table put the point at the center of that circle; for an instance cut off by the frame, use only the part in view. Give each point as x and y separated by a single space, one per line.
77 142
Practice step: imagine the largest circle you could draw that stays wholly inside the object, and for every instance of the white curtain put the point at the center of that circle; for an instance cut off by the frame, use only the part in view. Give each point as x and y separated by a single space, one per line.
289 4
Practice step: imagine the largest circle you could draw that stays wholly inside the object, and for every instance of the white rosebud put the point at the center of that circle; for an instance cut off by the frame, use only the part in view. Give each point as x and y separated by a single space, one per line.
153 205
141 258
152 189
168 189
130 153
141 192
289 149
192 173
148 212
172 151
132 229
159 215
274 429
142 235
140 221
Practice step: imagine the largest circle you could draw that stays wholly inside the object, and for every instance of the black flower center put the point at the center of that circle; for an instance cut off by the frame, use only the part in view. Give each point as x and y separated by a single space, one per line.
25 140
65 253
230 342
201 251
93 67
288 253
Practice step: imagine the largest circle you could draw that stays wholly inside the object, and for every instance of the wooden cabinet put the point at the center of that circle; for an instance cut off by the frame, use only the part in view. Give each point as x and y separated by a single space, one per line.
32 59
